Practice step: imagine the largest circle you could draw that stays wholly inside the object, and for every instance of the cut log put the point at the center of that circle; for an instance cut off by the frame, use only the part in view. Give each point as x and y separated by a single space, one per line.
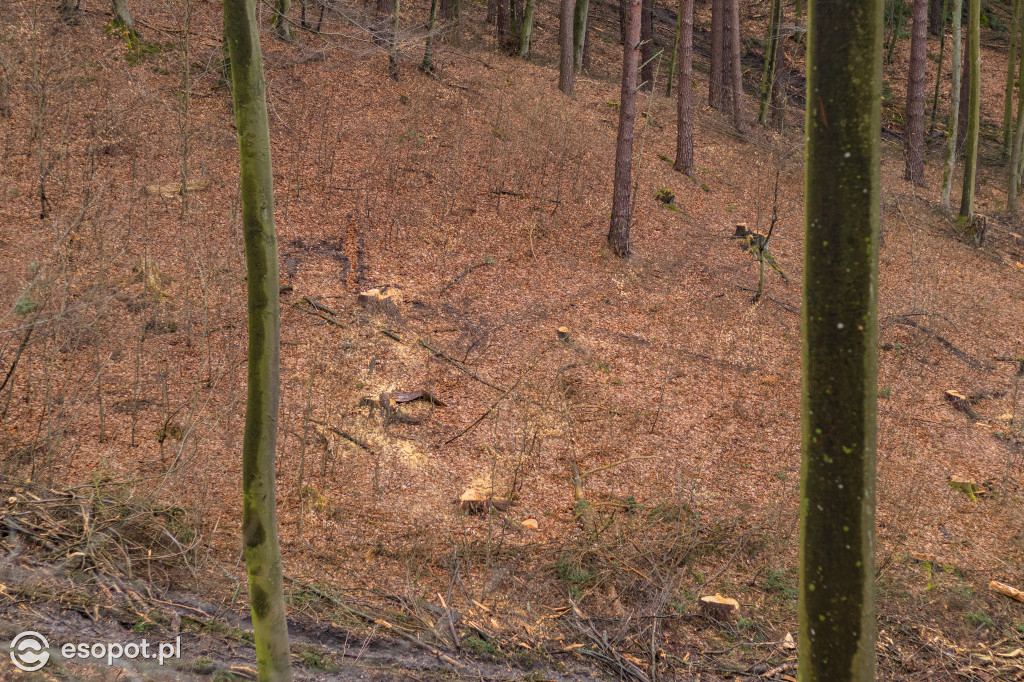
718 607
474 502
1006 590
960 402
563 333
530 523
409 396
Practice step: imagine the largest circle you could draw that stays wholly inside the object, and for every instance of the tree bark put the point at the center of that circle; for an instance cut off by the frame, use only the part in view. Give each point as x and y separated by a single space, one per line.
282 27
673 60
383 12
1013 176
393 52
444 10
954 112
504 24
771 57
914 140
1010 72
935 18
259 508
526 32
579 33
428 57
840 324
965 89
646 46
737 67
684 96
973 111
618 233
716 87
123 16
566 50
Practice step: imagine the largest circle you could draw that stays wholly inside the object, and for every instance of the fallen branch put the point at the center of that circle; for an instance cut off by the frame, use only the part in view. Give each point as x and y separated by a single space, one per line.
317 313
471 268
956 352
496 402
458 365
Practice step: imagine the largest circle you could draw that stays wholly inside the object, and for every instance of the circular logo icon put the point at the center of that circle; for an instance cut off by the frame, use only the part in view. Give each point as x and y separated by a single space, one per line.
29 651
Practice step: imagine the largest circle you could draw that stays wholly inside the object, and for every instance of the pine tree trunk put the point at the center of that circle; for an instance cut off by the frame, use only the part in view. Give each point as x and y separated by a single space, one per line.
565 44
954 112
840 316
914 141
504 25
579 33
771 56
684 97
259 509
646 46
716 87
282 27
1010 72
618 233
527 30
737 67
973 112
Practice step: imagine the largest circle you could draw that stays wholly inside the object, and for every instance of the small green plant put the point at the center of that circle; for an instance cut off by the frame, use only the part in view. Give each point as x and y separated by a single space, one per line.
24 305
885 392
665 196
704 186
781 584
570 569
313 659
979 619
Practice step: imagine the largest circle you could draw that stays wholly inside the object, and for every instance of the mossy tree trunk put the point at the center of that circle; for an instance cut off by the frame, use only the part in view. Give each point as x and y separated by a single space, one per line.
973 111
840 318
122 16
282 27
954 112
1013 176
618 232
579 32
1010 72
914 141
259 509
684 97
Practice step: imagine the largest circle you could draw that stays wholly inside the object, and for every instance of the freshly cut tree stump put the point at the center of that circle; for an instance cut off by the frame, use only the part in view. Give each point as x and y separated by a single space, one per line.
718 607
377 301
1006 590
563 333
960 402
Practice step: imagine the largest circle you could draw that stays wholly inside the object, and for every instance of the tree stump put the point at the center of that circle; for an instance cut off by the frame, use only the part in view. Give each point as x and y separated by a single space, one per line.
718 607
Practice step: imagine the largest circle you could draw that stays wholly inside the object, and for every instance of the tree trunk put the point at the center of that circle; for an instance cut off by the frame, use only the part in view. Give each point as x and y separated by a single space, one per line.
282 28
259 508
771 57
504 25
684 96
674 56
840 325
527 29
1013 179
122 16
646 46
954 112
973 112
965 89
393 53
383 12
565 44
618 233
428 57
1010 72
737 67
579 33
938 71
914 141
622 21
444 10
716 87
936 18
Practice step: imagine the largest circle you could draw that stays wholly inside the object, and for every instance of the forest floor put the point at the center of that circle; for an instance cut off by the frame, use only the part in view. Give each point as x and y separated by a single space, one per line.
477 201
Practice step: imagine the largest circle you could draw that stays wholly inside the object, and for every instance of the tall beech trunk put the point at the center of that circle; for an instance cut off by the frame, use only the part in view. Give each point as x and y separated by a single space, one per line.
1013 176
1010 72
282 27
771 58
123 16
914 141
256 184
618 232
566 78
735 47
579 33
954 113
965 89
526 31
973 111
716 85
646 46
684 97
840 325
